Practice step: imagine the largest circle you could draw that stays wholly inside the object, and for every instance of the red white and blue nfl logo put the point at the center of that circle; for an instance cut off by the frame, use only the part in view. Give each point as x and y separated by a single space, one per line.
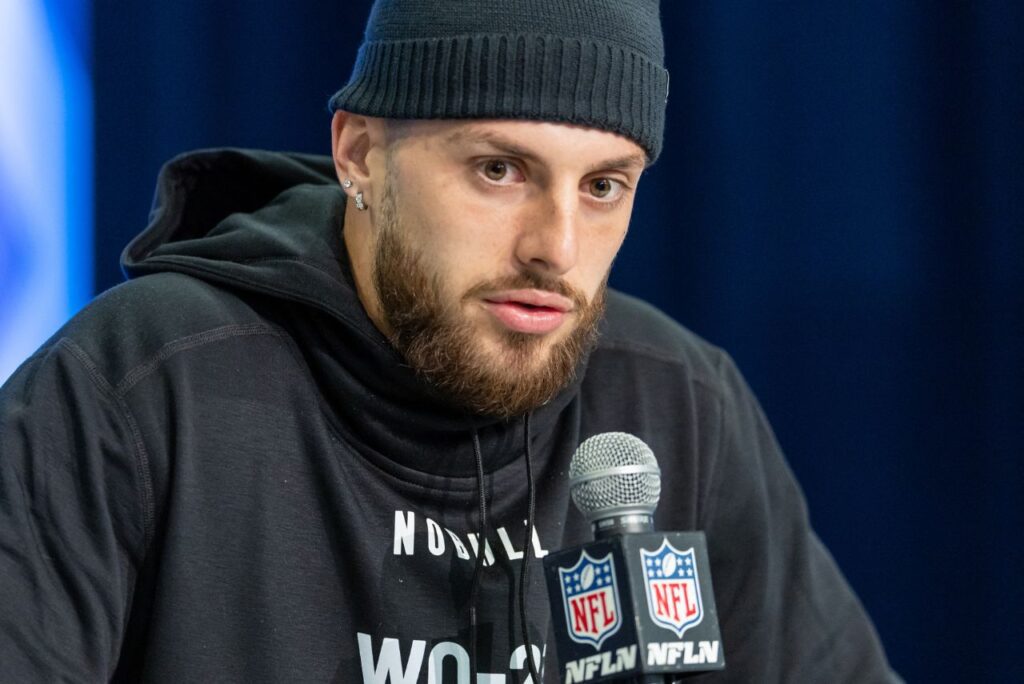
591 598
673 591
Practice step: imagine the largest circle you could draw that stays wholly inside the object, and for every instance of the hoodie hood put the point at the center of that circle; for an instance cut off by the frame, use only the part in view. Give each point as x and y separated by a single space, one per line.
268 226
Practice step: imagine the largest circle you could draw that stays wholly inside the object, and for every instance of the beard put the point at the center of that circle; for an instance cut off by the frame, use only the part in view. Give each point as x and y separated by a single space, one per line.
429 329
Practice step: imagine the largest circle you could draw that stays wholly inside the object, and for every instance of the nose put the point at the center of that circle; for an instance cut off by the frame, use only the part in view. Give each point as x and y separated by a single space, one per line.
548 240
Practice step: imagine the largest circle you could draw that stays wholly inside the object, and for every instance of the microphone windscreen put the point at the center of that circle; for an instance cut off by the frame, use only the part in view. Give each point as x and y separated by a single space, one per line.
614 473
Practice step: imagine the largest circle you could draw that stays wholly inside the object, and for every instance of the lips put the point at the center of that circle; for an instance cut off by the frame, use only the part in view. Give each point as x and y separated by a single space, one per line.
534 312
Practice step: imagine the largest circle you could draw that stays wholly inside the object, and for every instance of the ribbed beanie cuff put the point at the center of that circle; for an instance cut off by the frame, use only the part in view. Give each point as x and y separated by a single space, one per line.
569 78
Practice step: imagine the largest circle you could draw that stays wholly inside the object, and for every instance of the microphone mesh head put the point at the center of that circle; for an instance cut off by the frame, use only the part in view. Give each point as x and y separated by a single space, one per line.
614 473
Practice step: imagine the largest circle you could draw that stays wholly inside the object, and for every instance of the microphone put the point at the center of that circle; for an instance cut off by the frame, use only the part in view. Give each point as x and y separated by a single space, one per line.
623 603
615 482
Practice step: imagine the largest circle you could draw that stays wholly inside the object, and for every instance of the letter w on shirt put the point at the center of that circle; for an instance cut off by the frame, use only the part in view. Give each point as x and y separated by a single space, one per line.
388 667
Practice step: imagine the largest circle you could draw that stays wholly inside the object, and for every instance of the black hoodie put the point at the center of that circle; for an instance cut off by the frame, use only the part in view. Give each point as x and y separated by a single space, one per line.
222 471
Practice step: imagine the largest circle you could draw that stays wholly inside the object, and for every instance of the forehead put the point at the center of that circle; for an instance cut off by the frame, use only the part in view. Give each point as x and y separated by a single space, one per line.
551 144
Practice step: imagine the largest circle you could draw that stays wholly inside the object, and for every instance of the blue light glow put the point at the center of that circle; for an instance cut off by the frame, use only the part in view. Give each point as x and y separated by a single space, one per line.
45 172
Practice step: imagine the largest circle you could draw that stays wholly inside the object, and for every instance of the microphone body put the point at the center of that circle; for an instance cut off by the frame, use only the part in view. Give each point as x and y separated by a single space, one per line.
634 605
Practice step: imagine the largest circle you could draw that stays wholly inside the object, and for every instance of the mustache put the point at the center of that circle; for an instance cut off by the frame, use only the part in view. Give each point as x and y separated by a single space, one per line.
529 280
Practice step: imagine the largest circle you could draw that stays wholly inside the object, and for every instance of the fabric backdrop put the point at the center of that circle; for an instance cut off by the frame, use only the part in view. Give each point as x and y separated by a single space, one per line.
839 205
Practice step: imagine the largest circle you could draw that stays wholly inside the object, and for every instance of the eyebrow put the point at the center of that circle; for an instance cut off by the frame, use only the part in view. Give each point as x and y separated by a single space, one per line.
637 161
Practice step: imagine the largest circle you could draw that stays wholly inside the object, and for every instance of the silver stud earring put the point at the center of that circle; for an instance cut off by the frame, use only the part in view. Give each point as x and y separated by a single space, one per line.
360 204
347 183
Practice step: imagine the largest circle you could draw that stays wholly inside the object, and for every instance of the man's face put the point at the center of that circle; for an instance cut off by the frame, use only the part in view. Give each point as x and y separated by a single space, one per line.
492 246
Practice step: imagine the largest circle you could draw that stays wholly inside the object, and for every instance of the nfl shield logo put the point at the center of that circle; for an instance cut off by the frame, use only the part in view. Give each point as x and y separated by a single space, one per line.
591 599
673 591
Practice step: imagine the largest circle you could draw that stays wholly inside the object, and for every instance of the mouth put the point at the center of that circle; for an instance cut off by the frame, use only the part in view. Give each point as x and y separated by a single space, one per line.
534 312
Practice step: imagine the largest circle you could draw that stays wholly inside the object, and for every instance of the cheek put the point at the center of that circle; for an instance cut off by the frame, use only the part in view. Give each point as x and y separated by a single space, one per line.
602 252
469 236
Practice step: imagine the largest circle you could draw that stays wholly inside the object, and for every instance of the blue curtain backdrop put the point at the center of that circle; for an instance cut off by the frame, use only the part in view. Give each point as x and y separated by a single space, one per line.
46 253
839 205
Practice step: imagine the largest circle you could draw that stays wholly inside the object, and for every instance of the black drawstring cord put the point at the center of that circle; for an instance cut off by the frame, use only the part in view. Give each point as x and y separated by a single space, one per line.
524 568
474 590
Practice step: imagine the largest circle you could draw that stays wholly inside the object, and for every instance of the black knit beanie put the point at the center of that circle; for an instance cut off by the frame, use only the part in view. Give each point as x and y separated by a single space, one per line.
597 63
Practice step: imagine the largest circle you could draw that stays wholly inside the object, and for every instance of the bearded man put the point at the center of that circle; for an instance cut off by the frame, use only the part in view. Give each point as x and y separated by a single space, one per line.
322 434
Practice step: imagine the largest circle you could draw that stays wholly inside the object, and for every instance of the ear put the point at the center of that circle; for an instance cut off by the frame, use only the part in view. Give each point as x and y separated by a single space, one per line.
352 138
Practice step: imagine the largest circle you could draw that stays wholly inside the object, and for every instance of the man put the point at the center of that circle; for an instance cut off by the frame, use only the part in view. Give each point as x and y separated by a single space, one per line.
322 435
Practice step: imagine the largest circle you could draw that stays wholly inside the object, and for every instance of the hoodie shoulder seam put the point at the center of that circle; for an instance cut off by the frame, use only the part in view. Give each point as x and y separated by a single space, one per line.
136 374
212 276
143 474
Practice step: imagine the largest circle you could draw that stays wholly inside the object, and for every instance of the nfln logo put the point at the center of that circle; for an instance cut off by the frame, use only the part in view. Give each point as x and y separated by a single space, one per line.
673 591
591 599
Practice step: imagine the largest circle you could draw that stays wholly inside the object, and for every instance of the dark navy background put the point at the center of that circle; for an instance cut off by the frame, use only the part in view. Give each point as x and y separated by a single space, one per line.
839 205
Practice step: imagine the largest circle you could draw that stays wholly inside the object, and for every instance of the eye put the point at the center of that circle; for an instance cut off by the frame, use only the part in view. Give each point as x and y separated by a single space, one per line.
500 172
607 189
601 187
495 169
